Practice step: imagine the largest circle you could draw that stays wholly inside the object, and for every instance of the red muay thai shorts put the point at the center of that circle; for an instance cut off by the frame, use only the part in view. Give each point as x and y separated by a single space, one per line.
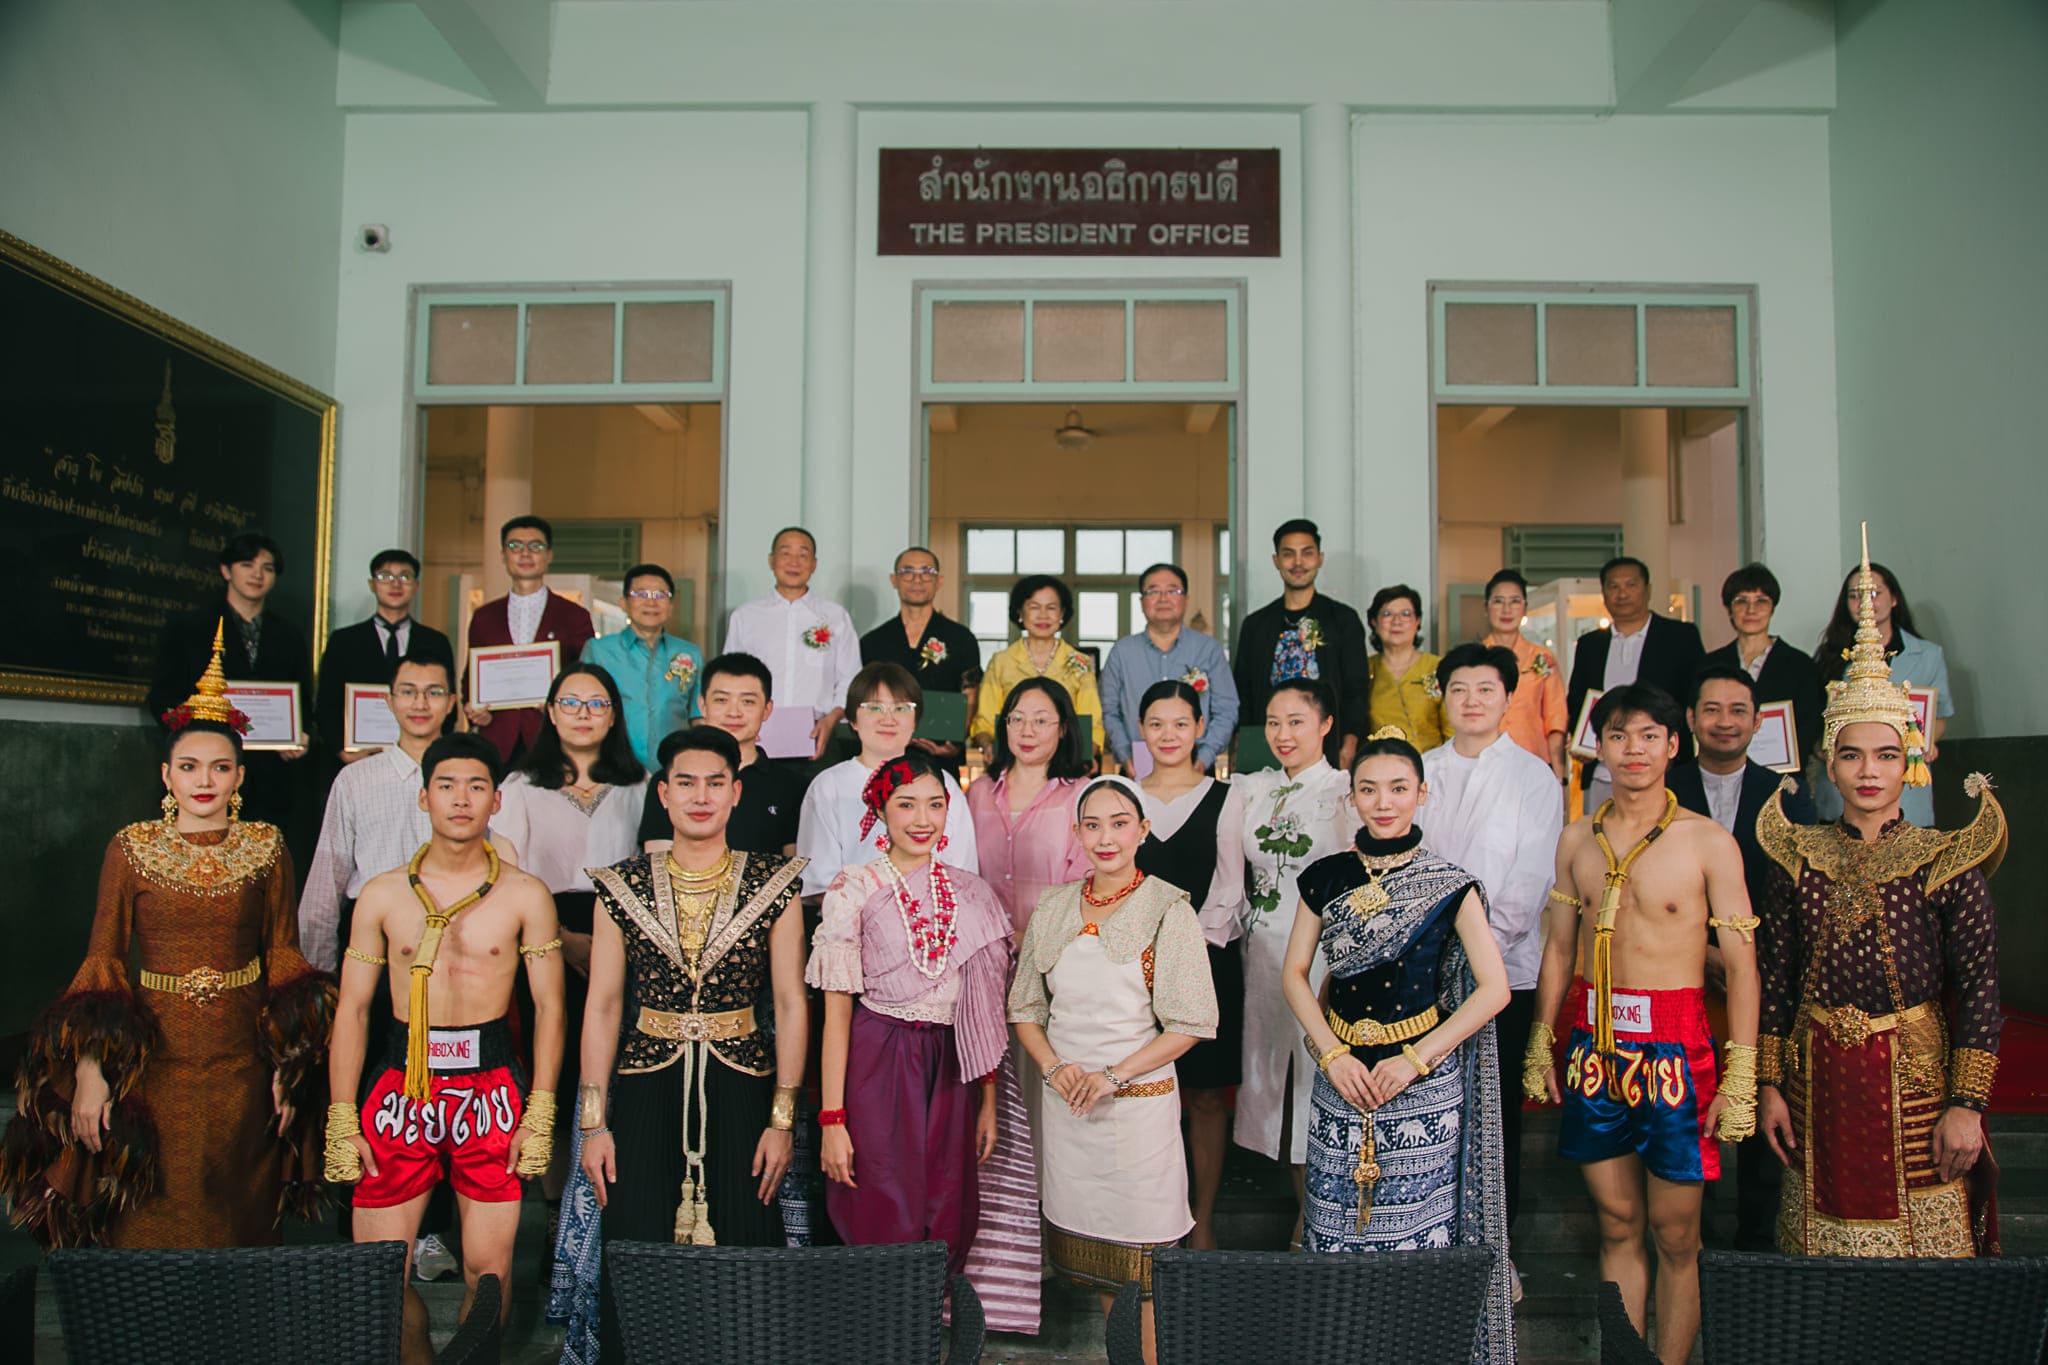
1652 1096
462 1133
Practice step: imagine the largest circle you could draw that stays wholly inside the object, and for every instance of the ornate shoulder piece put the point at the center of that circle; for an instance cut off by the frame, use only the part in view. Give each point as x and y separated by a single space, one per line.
1778 836
1981 843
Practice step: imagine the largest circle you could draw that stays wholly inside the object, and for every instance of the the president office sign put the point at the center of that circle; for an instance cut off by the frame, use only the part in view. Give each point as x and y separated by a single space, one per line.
1008 201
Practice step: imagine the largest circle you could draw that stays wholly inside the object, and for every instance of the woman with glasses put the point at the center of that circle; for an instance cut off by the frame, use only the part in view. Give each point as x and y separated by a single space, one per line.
1536 717
1783 672
1401 678
1040 606
573 803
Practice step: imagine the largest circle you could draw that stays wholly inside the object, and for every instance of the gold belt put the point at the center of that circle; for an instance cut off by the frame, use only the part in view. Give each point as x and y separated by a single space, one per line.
202 985
696 1028
1372 1033
1144 1090
1848 1026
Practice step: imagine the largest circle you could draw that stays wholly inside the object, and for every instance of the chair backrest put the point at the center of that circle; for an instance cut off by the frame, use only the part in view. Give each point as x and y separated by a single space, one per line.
335 1304
1817 1309
714 1305
1620 1342
1416 1307
480 1339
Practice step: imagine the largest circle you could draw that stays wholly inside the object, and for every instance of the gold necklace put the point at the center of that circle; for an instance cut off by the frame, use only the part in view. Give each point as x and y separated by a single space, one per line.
697 896
1370 899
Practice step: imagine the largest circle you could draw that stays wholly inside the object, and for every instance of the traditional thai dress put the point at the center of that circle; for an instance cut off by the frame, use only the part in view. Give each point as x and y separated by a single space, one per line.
1880 1010
924 1036
1289 822
188 1046
1116 1183
1423 1170
1197 844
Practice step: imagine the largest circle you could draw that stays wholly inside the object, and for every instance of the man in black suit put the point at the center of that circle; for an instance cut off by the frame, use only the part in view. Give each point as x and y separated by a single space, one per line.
1638 647
368 651
1724 785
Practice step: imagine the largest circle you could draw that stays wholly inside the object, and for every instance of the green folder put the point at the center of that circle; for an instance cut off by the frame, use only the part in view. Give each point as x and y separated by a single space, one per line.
1087 735
944 718
1251 754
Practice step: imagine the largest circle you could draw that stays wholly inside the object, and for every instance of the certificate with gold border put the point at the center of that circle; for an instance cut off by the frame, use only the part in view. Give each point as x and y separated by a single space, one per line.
367 721
508 677
273 712
1776 745
1922 700
1586 744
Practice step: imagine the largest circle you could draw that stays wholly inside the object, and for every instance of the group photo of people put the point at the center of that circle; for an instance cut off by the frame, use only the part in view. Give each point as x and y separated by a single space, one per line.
1021 982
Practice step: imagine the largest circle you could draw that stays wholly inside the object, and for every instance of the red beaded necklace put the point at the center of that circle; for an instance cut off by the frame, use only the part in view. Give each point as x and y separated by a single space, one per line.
1088 891
931 936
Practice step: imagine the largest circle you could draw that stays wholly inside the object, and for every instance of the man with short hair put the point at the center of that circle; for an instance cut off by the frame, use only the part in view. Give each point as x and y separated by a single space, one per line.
369 651
1496 811
807 641
656 671
1303 634
1638 646
764 817
1167 651
937 650
1643 1100
449 929
531 612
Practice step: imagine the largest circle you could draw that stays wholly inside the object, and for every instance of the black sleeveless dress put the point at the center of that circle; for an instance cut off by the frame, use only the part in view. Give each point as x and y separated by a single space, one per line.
1187 859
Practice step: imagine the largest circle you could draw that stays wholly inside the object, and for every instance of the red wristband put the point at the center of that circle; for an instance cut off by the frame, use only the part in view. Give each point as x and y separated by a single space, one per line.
831 1118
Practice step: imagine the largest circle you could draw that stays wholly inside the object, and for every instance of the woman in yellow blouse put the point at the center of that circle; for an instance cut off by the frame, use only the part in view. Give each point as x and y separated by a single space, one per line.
1403 678
1039 605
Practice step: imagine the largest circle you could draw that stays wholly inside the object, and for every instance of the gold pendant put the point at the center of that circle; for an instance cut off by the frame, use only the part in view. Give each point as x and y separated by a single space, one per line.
1370 899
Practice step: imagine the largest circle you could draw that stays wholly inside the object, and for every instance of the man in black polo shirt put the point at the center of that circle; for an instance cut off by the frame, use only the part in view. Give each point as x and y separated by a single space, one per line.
733 695
937 650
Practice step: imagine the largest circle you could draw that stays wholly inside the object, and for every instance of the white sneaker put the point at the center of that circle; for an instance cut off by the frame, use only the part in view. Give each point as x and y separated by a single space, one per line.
431 1258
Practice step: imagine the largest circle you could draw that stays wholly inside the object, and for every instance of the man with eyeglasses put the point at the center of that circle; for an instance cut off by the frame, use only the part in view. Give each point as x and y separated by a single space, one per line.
1167 651
1536 717
530 612
368 651
937 650
657 672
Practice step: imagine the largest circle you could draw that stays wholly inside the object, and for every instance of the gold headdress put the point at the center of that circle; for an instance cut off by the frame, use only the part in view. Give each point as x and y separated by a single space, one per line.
1390 732
209 699
1865 692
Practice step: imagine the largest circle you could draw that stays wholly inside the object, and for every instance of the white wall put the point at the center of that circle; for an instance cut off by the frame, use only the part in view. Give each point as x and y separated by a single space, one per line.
1714 200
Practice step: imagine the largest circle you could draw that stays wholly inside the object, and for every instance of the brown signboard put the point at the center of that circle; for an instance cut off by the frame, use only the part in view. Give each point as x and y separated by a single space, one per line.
1012 201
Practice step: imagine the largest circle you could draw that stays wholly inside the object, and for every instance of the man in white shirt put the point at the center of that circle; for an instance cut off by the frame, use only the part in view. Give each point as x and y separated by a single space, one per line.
807 642
1495 810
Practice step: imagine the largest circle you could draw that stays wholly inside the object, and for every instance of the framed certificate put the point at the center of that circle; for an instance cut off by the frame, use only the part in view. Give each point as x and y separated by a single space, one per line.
1922 700
1776 745
507 677
273 712
1586 744
367 721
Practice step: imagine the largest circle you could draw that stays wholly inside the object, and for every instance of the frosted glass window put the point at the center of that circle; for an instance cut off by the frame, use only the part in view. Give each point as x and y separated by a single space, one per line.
1042 552
1099 552
988 615
1490 343
978 343
1147 547
473 344
1077 343
1691 347
669 343
569 343
1181 341
1096 615
991 552
1590 344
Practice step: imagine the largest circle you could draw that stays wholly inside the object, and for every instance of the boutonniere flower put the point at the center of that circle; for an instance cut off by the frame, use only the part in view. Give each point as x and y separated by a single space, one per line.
933 652
1311 633
1196 679
1431 689
1077 664
1540 666
680 671
818 637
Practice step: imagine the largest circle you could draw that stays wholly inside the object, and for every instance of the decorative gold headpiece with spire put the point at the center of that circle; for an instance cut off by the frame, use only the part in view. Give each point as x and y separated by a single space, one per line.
1865 692
209 699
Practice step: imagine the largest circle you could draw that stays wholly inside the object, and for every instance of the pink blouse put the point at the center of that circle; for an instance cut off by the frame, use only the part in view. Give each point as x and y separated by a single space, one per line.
1024 856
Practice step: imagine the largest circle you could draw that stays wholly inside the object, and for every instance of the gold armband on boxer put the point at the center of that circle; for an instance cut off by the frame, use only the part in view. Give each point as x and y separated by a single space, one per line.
539 1123
539 949
343 1164
1537 1061
1562 899
365 957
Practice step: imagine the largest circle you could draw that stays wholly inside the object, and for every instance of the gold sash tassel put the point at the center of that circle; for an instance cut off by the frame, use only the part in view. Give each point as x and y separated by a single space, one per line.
417 1025
1603 927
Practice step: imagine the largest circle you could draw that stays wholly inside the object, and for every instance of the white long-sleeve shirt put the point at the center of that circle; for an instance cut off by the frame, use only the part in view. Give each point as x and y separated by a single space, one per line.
772 629
1499 816
373 824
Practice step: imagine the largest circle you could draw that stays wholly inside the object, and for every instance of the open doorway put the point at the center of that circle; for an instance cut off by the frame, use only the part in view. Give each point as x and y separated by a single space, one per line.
622 484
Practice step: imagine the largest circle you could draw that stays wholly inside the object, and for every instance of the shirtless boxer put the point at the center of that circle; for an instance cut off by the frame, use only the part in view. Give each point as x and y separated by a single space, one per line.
1642 1101
445 1103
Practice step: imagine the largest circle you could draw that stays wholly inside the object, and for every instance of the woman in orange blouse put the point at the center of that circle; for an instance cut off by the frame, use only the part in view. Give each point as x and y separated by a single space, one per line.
1536 718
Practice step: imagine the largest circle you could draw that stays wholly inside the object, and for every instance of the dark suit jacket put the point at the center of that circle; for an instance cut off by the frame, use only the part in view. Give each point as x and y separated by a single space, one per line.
355 654
1789 674
1758 782
560 619
1671 660
1341 660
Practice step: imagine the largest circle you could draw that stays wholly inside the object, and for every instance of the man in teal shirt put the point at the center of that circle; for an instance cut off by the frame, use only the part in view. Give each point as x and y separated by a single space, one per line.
656 671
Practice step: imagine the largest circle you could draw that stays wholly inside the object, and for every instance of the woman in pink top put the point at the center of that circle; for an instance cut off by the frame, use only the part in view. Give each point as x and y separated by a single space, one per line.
1024 808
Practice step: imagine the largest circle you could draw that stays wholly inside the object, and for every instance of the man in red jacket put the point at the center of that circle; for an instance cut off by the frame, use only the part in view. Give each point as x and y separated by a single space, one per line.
530 612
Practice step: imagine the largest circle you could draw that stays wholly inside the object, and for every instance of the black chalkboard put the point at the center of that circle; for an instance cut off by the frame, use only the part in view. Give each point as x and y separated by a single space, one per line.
131 448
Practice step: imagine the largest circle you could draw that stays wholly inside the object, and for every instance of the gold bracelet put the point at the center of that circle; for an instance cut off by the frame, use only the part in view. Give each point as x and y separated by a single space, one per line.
1562 899
1323 1062
1537 1060
1972 1071
1738 1092
343 1164
782 1109
589 1106
1415 1060
539 1123
540 949
365 957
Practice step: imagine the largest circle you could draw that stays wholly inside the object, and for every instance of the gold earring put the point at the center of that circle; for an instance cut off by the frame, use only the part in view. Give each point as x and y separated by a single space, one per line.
170 805
235 806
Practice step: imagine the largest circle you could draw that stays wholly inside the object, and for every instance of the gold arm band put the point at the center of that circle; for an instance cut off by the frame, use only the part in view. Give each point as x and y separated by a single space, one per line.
365 957
539 1123
1422 1068
1537 1060
1744 925
1847 1026
342 1163
1971 1072
590 1106
1323 1062
696 1028
1373 1033
1562 899
1737 1092
782 1109
1770 1059
540 949
203 985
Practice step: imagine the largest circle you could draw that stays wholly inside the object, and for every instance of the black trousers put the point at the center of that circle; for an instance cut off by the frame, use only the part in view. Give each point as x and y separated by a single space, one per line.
1511 1031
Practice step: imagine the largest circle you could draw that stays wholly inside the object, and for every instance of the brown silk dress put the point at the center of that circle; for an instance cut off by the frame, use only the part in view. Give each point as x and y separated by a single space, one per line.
193 1066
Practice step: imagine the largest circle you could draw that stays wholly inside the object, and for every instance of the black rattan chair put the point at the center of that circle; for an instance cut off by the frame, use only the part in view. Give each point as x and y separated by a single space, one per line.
1239 1307
481 1336
873 1305
18 1315
1828 1310
1620 1342
335 1305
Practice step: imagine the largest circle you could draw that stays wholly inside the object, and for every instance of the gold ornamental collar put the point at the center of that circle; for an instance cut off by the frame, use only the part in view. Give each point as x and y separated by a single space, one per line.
168 858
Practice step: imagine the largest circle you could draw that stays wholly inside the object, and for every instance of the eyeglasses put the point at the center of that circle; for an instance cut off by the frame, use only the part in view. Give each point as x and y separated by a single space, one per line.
888 708
1164 592
514 547
1018 722
411 693
649 595
1402 615
576 706
917 571
1507 601
1749 601
392 578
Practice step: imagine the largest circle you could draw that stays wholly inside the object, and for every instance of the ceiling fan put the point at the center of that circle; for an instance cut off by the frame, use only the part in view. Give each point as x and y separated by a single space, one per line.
1073 434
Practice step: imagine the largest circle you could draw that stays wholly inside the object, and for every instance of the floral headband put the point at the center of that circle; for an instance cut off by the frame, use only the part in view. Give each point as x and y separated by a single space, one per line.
883 784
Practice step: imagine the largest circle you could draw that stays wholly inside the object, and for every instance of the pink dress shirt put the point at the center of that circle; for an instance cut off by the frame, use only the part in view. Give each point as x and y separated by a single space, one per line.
1023 856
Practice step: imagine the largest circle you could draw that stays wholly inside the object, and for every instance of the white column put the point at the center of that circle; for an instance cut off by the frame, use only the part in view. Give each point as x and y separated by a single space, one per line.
827 501
508 487
1327 381
1646 495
